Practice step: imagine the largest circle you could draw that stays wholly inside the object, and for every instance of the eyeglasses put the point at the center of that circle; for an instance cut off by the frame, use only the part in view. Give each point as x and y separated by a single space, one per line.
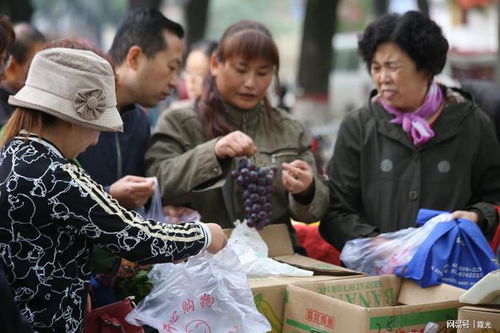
4 62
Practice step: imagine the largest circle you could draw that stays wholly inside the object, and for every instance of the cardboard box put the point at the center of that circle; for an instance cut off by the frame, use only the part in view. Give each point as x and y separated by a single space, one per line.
269 292
478 319
368 304
269 295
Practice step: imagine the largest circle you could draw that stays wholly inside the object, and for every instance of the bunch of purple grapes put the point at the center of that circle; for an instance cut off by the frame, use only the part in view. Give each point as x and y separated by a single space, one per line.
257 184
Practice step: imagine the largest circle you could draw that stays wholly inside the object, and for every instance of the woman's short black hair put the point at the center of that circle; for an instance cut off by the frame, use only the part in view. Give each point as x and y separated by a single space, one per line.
420 37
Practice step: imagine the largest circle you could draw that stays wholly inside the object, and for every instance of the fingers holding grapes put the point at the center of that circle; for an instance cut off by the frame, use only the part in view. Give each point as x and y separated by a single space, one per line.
235 144
297 176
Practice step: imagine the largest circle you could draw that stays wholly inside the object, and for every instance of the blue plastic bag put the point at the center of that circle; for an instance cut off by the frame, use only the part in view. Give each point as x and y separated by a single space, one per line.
456 253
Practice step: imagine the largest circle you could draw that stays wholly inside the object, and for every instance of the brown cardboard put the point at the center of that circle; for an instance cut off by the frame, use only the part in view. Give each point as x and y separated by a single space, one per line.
278 240
368 304
269 295
280 248
412 293
317 266
478 319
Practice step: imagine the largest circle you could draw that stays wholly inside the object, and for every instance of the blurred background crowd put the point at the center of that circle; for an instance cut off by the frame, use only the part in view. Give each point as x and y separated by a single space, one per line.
321 80
322 77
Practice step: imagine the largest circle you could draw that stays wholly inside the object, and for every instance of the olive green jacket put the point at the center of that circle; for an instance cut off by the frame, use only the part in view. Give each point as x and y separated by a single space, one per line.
191 175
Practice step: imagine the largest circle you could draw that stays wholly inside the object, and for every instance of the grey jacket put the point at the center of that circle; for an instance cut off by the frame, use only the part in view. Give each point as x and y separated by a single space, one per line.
379 180
191 175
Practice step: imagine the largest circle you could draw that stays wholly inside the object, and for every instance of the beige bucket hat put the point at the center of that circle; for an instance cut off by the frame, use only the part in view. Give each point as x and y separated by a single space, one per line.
77 86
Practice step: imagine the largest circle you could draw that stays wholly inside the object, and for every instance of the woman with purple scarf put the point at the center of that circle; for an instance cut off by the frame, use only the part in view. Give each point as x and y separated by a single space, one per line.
416 144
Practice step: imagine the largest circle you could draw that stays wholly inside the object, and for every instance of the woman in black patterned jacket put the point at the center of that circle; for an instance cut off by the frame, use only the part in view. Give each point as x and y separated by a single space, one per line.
51 211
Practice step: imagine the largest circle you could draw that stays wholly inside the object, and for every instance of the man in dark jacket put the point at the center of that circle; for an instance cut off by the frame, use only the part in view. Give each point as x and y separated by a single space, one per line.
147 50
28 41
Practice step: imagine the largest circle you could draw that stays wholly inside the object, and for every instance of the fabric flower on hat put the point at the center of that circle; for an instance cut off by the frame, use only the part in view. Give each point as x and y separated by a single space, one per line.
89 103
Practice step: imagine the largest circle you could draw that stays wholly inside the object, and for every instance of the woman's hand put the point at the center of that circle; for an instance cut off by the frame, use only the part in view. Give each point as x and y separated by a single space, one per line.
132 191
219 239
297 176
235 144
465 214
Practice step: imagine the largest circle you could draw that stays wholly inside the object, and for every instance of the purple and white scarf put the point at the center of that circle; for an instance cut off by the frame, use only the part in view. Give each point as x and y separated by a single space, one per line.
415 123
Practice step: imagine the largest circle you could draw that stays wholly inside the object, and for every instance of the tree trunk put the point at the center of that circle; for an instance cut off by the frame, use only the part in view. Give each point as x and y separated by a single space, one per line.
18 10
196 12
423 6
315 61
316 49
380 7
132 4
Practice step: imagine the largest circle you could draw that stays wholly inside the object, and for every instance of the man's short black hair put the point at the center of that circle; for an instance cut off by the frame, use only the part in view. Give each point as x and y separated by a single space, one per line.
26 37
420 37
145 28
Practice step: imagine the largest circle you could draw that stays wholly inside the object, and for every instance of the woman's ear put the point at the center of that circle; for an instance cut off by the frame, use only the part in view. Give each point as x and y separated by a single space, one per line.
214 65
13 67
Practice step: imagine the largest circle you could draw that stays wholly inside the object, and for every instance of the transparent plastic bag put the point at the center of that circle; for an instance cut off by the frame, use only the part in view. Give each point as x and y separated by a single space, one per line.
208 293
188 216
253 254
155 209
382 254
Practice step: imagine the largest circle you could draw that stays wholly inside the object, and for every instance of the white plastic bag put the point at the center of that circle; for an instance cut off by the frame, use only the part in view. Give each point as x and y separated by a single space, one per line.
253 254
155 209
208 293
381 255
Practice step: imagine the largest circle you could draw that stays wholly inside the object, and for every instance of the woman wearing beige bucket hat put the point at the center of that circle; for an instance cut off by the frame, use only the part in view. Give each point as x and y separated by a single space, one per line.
51 211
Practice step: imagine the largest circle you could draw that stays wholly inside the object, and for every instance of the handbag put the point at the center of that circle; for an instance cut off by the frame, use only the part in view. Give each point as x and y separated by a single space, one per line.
111 319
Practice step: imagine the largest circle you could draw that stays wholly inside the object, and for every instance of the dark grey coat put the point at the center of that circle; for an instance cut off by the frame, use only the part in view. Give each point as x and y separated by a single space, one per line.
379 179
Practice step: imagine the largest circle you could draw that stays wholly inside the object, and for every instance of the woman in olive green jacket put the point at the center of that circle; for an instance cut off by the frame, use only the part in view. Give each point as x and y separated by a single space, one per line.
193 150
